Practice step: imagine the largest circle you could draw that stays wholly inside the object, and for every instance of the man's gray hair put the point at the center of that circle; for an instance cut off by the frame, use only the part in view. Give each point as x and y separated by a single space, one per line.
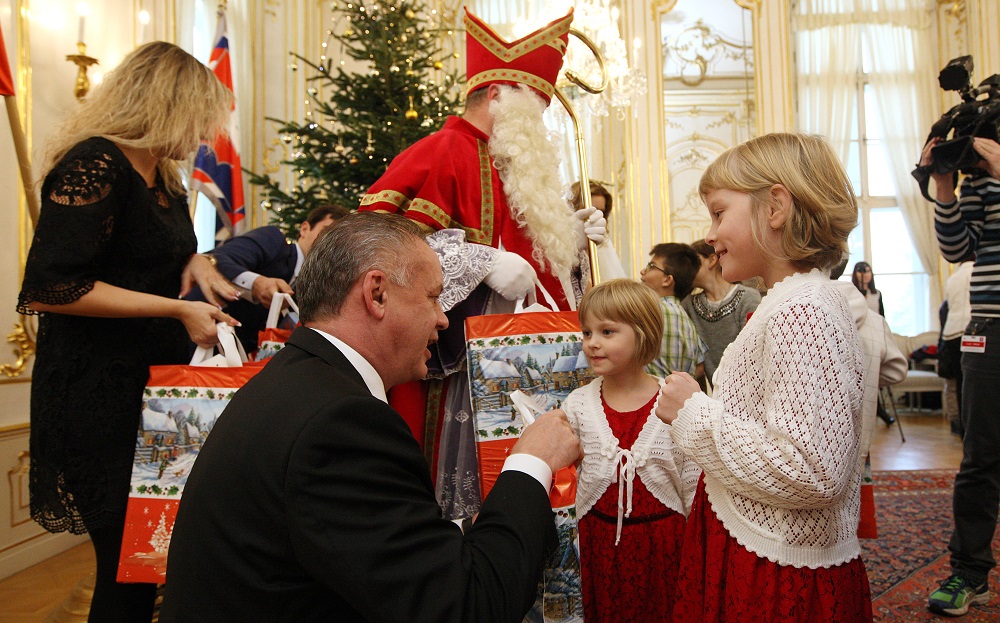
360 242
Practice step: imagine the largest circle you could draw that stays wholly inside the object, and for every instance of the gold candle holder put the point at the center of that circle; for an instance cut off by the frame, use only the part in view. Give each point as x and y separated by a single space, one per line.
82 62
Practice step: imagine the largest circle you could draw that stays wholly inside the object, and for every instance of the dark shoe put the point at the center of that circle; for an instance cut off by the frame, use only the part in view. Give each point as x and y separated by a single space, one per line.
955 595
884 416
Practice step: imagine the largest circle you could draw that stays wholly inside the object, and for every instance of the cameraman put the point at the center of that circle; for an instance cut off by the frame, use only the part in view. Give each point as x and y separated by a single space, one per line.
969 228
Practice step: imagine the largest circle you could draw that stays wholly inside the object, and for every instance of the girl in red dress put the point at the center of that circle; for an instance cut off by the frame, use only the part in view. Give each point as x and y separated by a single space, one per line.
630 527
772 534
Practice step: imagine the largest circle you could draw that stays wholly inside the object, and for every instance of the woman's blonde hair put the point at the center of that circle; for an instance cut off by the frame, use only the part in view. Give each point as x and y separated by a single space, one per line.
824 207
629 302
159 98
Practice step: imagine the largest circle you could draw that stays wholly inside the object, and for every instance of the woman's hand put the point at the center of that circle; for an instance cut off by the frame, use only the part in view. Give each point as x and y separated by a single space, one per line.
677 388
199 320
990 151
944 183
214 287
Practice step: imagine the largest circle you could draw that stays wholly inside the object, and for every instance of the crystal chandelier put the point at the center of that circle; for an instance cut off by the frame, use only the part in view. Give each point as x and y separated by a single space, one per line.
599 21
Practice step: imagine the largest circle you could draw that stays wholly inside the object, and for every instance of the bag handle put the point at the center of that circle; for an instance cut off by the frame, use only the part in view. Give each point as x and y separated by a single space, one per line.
277 303
526 406
231 354
519 305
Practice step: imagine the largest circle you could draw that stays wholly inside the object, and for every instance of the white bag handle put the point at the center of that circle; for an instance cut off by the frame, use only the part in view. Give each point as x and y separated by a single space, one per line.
536 306
277 302
526 406
232 354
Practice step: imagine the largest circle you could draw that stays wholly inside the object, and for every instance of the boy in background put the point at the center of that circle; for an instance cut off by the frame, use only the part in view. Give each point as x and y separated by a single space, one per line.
670 273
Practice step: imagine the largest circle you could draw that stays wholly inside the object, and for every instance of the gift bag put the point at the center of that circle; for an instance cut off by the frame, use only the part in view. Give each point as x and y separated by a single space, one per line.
179 407
277 329
539 354
867 529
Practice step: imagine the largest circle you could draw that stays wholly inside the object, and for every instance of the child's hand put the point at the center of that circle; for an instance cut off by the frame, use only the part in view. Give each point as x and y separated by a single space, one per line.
677 388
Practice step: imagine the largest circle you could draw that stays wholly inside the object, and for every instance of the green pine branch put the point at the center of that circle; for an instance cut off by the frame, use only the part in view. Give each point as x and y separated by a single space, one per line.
366 118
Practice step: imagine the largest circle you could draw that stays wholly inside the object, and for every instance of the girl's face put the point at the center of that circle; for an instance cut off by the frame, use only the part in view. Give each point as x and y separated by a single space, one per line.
864 276
609 346
731 236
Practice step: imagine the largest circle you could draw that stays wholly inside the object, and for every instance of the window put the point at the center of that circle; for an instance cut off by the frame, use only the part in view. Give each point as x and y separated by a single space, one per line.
881 237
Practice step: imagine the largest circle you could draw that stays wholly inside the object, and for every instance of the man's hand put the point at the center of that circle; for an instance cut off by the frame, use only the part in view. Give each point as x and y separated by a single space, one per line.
590 225
512 276
264 289
550 439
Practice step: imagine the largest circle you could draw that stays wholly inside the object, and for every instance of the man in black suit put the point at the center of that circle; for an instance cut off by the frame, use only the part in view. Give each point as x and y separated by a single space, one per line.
311 499
262 262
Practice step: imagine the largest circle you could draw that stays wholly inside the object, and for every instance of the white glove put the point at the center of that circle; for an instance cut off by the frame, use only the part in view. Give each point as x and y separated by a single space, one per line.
591 225
512 276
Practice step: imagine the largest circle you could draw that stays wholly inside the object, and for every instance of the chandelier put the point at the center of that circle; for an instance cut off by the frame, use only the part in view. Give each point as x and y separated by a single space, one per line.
598 21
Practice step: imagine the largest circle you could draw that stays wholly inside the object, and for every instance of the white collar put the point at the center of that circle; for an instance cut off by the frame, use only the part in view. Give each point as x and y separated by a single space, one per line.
365 369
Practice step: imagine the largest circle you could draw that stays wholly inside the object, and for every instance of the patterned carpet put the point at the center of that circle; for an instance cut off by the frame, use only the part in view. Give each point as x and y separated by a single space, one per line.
910 557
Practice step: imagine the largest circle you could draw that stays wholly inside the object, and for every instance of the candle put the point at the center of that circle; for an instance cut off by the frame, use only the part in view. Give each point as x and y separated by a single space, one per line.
79 36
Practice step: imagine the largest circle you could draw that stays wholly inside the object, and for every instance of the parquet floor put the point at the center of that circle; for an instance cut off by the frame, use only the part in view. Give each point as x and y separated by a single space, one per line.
33 594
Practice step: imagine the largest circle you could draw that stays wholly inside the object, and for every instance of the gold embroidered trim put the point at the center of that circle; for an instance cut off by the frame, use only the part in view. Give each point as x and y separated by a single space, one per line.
391 197
549 35
510 75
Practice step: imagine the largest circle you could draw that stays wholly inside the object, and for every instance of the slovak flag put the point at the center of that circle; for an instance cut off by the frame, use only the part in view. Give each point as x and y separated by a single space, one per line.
217 173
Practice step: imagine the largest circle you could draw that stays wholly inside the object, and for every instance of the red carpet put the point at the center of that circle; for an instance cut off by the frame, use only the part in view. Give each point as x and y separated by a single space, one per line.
910 557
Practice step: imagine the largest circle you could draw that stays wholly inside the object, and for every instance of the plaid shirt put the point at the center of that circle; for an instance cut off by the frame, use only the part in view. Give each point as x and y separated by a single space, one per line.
681 349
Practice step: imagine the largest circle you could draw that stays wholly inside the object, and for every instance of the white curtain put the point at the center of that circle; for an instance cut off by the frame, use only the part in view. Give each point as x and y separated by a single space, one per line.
828 55
829 36
904 82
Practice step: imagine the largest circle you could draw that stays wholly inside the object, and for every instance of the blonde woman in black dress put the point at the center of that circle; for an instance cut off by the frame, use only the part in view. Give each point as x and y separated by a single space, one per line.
113 251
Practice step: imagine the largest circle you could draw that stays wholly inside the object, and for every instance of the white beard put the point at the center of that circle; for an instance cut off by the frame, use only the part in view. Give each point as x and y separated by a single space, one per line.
527 159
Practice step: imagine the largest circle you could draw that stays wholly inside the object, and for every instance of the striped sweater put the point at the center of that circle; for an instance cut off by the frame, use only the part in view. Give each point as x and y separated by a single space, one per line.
970 228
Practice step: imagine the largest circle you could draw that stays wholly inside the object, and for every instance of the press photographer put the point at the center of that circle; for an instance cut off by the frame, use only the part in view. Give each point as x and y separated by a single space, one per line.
969 229
954 143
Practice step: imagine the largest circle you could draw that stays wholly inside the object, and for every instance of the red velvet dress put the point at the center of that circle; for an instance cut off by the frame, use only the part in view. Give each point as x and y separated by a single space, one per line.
634 580
723 581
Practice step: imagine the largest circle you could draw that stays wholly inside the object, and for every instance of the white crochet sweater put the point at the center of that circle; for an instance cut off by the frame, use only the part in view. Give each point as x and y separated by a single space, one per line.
660 465
779 441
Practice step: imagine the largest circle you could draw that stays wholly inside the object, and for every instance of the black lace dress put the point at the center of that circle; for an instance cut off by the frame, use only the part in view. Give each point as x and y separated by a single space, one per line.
99 222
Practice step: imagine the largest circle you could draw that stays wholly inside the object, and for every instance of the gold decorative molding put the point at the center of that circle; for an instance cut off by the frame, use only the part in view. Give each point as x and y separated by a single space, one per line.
24 348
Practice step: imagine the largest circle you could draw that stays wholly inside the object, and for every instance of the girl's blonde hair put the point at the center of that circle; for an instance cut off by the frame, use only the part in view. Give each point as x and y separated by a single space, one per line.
824 207
629 302
159 98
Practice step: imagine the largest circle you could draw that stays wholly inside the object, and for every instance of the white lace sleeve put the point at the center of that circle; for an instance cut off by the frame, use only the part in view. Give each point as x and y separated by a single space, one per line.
464 264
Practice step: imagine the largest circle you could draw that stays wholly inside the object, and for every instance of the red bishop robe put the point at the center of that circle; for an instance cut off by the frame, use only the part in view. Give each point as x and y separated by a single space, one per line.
447 180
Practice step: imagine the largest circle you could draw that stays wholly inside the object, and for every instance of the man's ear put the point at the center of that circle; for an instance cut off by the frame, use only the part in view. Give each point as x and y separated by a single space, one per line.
373 289
668 281
780 207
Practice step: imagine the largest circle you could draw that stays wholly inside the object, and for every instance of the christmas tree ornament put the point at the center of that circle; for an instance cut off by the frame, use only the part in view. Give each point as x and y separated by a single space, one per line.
411 113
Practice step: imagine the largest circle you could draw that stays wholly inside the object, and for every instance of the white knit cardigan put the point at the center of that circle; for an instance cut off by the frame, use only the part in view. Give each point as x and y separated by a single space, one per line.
660 465
779 441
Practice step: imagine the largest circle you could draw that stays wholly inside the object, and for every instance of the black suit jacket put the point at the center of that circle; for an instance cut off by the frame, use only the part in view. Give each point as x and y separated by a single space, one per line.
311 501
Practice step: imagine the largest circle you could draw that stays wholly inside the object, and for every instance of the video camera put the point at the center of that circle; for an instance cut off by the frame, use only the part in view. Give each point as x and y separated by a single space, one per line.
973 117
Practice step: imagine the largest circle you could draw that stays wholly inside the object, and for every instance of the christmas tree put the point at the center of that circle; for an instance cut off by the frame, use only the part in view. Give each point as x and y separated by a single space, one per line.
347 141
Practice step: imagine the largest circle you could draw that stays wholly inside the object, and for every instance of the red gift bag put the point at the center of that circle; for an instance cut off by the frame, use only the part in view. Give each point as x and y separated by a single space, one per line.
541 355
866 525
273 337
180 406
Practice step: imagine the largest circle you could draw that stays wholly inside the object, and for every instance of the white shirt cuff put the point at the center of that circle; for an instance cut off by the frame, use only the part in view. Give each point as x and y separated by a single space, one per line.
530 465
245 279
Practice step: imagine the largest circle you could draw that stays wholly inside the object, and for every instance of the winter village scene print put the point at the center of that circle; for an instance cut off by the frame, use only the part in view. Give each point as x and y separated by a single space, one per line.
173 425
546 367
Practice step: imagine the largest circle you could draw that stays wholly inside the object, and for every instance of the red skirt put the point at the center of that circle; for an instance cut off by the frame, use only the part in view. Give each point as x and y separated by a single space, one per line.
720 580
633 581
